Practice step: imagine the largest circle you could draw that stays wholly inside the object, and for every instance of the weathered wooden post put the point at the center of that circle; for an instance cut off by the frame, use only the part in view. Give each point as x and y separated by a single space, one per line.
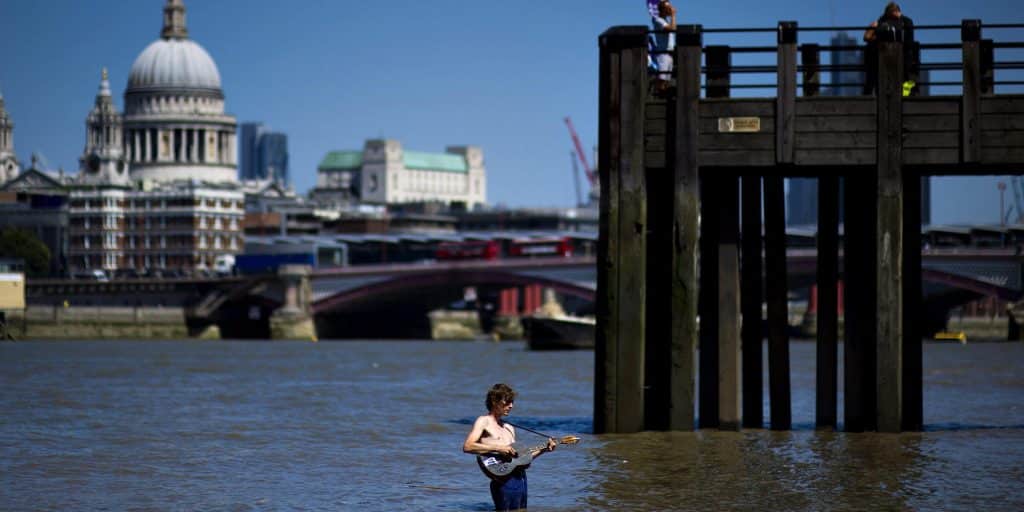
828 307
621 276
988 57
889 231
970 132
707 303
728 304
785 101
718 78
860 196
810 58
719 60
751 297
776 282
684 234
913 309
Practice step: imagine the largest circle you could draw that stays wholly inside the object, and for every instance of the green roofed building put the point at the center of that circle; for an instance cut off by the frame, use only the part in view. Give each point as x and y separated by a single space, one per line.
383 173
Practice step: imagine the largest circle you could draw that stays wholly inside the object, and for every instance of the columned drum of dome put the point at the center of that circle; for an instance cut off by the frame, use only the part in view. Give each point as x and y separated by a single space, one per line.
175 127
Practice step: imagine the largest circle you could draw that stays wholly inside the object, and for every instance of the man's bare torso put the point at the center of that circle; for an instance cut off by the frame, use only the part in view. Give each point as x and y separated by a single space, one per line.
495 434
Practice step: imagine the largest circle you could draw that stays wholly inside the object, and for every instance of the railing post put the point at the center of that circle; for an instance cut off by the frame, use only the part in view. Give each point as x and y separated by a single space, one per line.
810 58
889 232
970 35
719 62
621 275
987 67
684 233
785 111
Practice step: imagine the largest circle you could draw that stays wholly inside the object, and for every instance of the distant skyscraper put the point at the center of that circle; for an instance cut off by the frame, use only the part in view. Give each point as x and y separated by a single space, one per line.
248 150
845 82
263 154
273 157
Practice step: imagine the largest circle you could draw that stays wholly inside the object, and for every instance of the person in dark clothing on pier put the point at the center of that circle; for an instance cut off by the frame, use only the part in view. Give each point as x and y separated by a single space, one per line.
904 26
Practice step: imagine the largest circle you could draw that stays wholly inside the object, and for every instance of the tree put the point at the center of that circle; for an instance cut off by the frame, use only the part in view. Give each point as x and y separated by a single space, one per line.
23 244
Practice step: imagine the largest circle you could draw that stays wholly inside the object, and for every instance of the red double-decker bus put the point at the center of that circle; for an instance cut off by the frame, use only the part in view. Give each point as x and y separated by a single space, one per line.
468 250
540 247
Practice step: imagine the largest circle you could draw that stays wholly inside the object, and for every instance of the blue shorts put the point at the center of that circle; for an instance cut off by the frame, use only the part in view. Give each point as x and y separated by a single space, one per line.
510 494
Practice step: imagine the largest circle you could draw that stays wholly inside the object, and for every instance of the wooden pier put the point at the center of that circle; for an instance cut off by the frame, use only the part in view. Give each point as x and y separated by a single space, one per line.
682 178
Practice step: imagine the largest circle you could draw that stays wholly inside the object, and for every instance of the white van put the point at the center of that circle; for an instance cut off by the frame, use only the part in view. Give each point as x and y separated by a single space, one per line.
224 264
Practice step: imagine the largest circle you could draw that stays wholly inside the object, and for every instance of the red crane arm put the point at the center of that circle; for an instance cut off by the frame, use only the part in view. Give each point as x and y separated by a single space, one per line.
579 152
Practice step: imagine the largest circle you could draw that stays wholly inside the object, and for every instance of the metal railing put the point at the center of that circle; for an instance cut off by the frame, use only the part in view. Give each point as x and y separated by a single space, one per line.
929 63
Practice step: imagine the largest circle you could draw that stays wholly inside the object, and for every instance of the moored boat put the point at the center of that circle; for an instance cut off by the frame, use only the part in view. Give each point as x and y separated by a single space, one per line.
561 332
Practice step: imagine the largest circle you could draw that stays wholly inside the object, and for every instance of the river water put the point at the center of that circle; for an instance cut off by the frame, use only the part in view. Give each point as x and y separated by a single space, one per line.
183 425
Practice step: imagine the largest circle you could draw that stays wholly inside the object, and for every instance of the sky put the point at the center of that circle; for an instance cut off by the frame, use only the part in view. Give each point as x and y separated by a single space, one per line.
429 73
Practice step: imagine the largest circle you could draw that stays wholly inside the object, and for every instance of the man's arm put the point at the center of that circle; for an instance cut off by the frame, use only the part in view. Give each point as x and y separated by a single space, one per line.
473 445
549 448
869 34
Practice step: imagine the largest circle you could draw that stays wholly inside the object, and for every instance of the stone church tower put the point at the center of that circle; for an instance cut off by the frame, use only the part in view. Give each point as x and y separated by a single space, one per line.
102 161
9 168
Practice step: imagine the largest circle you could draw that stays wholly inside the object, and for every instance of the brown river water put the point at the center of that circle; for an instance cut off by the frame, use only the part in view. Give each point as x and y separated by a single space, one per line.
249 426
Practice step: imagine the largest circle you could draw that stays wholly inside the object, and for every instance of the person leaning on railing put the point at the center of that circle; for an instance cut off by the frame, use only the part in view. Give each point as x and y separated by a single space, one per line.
661 42
904 26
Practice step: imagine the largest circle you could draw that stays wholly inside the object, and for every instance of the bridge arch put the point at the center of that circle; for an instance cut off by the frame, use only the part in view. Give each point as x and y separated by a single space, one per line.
371 310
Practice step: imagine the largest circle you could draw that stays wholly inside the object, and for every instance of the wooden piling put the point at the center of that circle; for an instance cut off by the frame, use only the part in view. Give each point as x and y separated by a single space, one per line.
859 311
619 354
913 308
889 233
660 199
728 304
719 61
785 101
810 60
776 288
686 209
827 314
751 298
707 303
970 119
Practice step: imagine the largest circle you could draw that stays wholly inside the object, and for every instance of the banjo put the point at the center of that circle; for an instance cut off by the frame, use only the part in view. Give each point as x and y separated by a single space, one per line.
497 466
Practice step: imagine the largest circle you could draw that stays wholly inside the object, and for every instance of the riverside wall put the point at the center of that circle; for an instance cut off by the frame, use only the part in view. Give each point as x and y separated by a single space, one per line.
101 322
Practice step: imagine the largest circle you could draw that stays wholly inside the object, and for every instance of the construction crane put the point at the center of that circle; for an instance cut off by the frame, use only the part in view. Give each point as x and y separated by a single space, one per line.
591 175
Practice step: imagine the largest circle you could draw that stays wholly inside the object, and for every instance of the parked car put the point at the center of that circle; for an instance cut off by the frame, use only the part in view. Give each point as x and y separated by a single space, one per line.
91 275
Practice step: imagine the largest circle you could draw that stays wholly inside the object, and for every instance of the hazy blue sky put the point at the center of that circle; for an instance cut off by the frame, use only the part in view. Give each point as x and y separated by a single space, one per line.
330 74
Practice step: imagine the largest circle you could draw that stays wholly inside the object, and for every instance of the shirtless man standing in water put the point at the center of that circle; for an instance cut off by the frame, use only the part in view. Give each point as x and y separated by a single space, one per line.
491 435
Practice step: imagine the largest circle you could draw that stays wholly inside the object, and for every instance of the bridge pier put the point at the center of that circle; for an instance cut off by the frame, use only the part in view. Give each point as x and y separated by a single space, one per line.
294 319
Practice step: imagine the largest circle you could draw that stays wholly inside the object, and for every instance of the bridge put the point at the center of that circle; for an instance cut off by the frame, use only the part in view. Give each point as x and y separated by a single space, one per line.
356 301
